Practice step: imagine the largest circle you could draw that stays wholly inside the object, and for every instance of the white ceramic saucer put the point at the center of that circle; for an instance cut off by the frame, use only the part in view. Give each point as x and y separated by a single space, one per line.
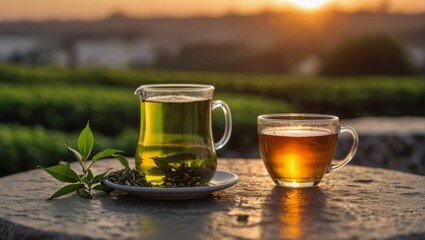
221 180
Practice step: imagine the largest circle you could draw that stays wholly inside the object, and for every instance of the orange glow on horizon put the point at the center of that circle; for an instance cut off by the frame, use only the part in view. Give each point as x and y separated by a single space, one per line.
89 9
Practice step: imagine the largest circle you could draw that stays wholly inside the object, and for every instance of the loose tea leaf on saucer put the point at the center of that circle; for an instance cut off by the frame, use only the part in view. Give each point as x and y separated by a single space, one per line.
128 177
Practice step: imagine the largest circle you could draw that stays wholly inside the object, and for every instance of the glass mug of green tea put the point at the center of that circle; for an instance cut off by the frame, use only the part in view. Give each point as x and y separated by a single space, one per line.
176 146
298 149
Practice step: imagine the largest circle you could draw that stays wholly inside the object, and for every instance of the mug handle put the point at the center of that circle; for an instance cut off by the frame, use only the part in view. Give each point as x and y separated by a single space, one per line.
227 121
350 155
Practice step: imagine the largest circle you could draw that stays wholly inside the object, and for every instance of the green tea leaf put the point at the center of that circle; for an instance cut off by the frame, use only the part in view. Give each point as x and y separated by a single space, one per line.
156 171
102 187
89 175
63 173
75 152
99 177
160 163
123 160
65 163
83 193
66 189
105 153
86 142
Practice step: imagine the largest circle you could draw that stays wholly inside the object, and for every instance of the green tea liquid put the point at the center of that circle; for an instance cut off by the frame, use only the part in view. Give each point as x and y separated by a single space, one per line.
175 147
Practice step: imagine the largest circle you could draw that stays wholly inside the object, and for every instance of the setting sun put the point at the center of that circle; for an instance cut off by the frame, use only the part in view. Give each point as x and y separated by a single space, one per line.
309 4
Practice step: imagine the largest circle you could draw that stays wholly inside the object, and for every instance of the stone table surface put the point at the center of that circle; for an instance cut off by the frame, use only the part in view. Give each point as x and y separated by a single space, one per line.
352 203
387 125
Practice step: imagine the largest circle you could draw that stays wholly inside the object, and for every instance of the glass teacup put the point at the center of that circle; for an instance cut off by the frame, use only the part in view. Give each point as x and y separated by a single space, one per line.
297 149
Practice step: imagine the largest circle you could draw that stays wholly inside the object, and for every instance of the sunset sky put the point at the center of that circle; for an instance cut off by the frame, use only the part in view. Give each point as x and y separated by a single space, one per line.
93 9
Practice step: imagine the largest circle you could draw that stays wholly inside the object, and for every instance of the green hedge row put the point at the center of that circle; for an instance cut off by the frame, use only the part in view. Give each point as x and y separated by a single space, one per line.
67 107
24 148
362 97
347 97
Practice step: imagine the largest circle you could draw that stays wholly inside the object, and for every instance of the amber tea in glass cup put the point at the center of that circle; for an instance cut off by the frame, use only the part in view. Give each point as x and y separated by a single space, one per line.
298 149
176 146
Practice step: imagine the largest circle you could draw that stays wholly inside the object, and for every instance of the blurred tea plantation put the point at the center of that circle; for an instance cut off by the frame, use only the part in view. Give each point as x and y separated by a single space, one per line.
43 108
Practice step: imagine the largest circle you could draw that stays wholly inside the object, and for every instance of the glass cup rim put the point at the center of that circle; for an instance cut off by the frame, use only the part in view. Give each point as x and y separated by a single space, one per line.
299 117
174 87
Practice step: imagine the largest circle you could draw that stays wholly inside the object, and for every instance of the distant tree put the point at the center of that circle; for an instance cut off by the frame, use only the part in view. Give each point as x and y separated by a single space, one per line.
368 55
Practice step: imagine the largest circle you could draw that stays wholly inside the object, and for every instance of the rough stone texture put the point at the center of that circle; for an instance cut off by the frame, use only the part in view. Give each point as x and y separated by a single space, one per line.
387 125
353 203
393 143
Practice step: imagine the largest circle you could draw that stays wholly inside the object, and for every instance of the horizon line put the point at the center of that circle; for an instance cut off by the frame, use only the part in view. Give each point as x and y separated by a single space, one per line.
120 14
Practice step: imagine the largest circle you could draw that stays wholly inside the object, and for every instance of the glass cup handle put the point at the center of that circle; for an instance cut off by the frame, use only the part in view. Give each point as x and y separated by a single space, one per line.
353 149
227 121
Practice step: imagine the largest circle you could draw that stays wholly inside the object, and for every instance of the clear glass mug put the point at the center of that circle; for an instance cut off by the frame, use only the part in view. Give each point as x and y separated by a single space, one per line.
176 146
298 149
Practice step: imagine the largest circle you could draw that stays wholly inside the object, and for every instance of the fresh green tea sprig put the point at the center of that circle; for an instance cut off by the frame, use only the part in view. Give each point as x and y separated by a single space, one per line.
85 182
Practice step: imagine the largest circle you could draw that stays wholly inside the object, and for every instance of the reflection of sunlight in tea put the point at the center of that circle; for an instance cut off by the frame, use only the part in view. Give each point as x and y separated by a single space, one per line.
291 159
287 163
291 216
